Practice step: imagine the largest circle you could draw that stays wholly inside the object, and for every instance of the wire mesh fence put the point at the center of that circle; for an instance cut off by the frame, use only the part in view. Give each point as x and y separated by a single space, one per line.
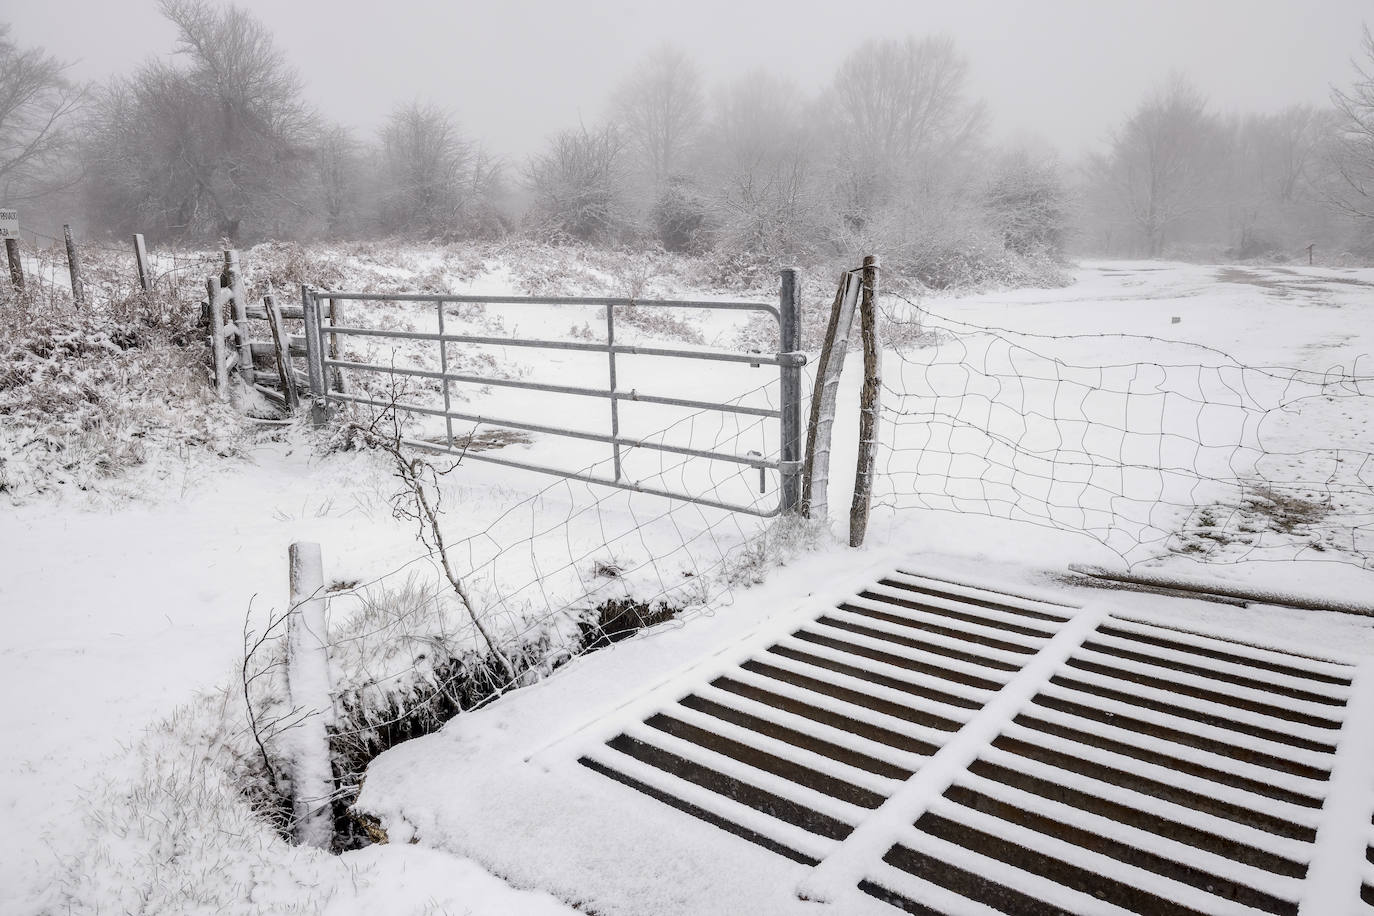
110 279
567 568
1150 446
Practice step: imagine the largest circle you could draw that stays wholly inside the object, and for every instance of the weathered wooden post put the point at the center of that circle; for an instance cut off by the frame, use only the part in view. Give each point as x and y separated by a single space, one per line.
336 319
9 231
816 466
16 266
314 355
791 360
281 345
307 679
868 404
145 273
74 267
216 321
233 279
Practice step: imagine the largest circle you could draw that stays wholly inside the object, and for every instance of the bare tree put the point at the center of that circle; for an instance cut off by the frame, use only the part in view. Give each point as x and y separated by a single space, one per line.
578 185
760 168
218 148
903 120
1274 173
660 108
340 170
37 105
1354 147
1163 164
437 183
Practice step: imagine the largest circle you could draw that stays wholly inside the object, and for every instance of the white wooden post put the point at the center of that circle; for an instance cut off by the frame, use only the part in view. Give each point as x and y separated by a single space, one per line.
216 316
307 677
234 281
816 468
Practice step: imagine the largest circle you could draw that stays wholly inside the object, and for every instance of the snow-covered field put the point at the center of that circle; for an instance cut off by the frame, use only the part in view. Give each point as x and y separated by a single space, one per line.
118 611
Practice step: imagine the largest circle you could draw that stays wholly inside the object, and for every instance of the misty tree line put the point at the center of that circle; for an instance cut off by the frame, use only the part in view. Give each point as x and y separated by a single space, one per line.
892 155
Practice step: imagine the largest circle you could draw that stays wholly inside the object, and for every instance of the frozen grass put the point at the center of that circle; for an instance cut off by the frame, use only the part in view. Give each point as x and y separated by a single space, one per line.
87 397
196 820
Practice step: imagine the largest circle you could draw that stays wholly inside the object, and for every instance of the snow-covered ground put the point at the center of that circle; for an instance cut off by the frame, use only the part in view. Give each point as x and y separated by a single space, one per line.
115 613
504 785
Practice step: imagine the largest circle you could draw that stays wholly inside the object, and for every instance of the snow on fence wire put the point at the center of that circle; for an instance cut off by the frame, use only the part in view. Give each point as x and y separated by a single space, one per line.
661 525
572 567
1148 445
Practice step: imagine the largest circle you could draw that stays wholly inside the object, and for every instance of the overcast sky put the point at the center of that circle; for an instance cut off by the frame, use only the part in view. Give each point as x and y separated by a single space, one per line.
1060 71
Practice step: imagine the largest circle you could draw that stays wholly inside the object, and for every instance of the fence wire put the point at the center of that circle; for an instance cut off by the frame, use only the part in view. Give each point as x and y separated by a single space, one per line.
1151 446
109 275
570 567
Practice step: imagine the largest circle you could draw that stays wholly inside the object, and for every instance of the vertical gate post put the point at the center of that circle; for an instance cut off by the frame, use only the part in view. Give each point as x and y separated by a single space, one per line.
789 320
443 368
314 355
233 278
615 401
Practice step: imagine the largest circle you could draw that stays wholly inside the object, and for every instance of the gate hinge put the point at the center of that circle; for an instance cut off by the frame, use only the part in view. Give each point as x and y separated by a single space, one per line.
792 360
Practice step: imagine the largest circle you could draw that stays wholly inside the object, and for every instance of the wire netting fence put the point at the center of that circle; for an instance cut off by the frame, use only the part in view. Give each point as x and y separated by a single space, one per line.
519 575
1150 446
113 290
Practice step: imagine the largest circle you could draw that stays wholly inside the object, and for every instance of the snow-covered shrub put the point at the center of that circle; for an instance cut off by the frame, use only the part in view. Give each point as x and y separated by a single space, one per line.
679 217
86 396
1028 205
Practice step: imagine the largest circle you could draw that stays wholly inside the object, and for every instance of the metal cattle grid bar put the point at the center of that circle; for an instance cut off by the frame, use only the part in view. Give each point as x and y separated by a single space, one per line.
788 359
946 748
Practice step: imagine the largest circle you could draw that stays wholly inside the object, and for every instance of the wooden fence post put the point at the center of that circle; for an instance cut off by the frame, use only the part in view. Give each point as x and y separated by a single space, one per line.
281 344
816 466
145 273
314 355
74 267
336 319
16 266
307 678
235 284
216 318
868 404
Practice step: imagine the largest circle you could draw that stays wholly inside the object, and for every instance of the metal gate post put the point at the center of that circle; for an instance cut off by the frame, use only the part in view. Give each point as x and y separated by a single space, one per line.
789 324
448 391
314 355
615 402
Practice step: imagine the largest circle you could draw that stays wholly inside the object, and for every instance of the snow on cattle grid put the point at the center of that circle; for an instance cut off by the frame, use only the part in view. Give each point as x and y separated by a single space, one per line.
949 749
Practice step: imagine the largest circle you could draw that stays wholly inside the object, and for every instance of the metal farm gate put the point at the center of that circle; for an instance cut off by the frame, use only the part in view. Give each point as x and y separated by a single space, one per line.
324 327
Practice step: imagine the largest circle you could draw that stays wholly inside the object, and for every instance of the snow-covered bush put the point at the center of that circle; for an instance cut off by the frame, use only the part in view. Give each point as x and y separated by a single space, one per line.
86 396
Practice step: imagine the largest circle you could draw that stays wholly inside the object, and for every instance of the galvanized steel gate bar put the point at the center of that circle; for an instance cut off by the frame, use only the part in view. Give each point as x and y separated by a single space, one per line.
789 359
